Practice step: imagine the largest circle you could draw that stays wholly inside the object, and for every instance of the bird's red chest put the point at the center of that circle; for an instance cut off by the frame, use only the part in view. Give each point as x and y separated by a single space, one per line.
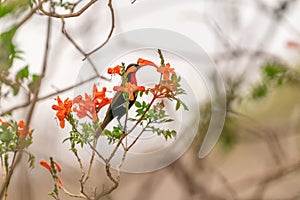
132 79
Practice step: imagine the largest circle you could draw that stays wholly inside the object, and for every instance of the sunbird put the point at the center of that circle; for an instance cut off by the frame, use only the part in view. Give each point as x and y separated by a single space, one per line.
117 108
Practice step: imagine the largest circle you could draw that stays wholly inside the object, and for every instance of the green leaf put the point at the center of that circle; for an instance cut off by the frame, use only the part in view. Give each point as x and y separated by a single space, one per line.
6 136
273 70
184 106
31 160
137 104
11 7
141 93
181 103
177 104
144 104
4 10
167 133
139 112
259 91
22 74
7 49
66 139
113 135
106 132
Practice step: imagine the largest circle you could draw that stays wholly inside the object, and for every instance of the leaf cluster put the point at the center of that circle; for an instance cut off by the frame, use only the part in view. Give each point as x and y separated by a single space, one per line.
83 137
10 140
114 135
10 83
274 74
156 115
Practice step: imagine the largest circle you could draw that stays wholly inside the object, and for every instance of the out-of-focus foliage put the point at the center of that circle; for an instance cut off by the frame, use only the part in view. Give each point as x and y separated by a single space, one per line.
11 83
13 7
274 74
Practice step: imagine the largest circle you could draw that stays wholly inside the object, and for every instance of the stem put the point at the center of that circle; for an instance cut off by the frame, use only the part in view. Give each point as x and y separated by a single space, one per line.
98 154
74 14
74 150
73 195
64 31
3 169
4 186
86 177
162 60
115 149
141 118
110 32
49 95
137 138
126 115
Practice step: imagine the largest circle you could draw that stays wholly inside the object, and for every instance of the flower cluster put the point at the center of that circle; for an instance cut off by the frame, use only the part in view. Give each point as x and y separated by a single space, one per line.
89 106
169 86
148 114
63 109
83 106
14 136
166 70
127 92
130 89
116 70
21 128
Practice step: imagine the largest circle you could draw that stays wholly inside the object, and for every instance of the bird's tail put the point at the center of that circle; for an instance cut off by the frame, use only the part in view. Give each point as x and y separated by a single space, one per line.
105 122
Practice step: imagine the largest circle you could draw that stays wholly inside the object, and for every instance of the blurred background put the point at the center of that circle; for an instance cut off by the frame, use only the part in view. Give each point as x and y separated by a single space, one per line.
255 45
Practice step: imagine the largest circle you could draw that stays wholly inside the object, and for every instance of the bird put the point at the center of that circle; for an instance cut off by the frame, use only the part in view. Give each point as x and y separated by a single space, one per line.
117 107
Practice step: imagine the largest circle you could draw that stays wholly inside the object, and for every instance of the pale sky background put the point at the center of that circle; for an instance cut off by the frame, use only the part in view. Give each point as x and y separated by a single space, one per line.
191 18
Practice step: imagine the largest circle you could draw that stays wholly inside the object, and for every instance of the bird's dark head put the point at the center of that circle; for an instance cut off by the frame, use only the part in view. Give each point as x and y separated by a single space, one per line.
131 69
131 73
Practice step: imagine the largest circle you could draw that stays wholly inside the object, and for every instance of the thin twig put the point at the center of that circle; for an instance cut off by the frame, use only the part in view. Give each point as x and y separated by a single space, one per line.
64 31
269 176
115 149
270 138
141 118
137 138
81 196
224 180
30 14
86 177
110 32
188 182
98 154
69 15
115 182
48 95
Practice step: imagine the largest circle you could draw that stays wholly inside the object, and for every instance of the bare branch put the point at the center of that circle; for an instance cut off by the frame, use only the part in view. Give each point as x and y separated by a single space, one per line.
110 32
74 14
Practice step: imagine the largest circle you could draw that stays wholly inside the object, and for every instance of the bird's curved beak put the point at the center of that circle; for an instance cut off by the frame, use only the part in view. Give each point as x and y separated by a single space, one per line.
142 62
132 69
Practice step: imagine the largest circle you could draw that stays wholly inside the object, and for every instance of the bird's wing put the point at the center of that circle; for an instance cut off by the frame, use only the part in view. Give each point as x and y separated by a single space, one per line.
118 100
